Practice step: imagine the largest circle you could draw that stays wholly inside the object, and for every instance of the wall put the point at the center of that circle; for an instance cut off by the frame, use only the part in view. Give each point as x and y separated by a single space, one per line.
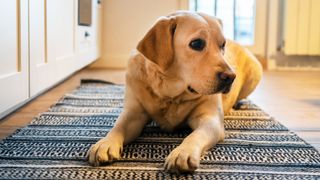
124 24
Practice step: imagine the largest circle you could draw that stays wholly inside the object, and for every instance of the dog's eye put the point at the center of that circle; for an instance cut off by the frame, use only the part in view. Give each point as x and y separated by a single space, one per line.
223 45
197 44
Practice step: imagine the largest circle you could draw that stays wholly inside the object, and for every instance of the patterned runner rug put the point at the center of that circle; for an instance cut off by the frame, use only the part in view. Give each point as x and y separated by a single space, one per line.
54 145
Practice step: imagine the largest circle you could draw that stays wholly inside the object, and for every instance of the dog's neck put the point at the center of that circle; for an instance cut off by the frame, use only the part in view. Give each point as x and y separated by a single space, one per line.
168 88
164 86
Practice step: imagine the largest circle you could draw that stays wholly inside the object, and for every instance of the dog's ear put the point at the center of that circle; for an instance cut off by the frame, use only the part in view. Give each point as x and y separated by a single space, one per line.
157 44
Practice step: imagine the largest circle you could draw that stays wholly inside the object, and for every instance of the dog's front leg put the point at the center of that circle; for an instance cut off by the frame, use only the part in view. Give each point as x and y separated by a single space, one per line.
128 126
207 125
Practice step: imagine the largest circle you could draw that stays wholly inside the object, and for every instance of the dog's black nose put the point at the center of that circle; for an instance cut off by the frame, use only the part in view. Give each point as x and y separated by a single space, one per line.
226 77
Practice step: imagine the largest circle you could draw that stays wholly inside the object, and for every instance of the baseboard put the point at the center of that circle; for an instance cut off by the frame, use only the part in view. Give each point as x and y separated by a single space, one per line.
282 68
263 61
115 61
272 65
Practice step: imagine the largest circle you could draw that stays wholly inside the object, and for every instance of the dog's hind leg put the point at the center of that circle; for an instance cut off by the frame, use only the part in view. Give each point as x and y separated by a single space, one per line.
251 79
246 81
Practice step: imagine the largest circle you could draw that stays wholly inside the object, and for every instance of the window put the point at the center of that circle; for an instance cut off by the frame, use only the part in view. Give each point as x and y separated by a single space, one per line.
238 17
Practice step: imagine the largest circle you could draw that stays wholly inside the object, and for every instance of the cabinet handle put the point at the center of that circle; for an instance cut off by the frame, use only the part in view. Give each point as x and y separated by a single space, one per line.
86 34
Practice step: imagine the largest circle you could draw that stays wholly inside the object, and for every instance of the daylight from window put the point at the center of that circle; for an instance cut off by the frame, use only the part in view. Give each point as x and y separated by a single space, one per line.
238 17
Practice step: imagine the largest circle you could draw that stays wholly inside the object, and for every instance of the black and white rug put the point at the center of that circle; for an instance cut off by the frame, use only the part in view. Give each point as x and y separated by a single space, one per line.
54 145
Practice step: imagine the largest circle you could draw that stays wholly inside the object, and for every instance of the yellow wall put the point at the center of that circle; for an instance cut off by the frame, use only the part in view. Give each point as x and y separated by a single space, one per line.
125 22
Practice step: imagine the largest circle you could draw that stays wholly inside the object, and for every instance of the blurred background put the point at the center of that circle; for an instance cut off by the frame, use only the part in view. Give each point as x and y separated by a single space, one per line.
283 34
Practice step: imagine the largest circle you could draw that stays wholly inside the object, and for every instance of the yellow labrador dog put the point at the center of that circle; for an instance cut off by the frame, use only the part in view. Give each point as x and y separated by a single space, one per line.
183 72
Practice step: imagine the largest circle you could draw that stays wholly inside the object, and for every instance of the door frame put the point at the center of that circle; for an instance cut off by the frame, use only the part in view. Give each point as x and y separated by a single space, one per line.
259 46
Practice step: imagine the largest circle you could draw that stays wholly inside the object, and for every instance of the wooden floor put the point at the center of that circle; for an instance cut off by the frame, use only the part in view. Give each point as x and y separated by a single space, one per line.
293 98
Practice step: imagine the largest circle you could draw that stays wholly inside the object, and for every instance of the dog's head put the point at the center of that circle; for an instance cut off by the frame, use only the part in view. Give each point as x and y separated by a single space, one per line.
191 46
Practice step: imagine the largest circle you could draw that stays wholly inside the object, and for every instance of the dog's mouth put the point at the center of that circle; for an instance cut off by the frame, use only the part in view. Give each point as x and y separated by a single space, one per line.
192 90
224 89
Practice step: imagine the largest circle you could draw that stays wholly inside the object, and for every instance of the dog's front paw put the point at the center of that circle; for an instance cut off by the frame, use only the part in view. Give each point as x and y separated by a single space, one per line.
104 151
183 159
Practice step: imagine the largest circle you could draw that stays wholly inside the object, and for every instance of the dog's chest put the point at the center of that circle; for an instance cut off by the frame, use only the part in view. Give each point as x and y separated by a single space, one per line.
169 113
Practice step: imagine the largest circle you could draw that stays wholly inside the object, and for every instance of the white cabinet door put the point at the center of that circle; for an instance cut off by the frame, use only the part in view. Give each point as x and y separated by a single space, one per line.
58 46
41 70
61 20
52 42
13 54
40 46
88 37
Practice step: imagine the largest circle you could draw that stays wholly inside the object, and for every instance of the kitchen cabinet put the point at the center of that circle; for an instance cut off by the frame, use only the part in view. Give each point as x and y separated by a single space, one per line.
42 44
